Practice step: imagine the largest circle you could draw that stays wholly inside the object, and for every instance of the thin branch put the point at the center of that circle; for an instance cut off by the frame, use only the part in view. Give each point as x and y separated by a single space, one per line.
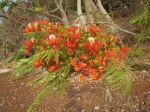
54 10
79 11
65 18
108 24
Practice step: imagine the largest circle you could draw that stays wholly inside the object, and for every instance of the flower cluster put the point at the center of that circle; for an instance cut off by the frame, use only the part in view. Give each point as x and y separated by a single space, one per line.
87 50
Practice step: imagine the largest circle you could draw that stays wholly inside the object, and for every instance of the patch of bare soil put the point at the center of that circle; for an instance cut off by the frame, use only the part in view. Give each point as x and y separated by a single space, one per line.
79 97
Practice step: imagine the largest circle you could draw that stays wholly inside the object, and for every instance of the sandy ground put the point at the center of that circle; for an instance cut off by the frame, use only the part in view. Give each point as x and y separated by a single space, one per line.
86 97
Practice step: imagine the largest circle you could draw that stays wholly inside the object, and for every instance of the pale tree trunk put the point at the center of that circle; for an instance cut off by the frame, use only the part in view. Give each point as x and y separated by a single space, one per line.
106 16
63 13
79 11
103 11
89 10
94 6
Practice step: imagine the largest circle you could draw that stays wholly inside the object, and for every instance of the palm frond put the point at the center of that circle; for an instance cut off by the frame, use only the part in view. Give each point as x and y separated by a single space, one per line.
25 66
53 83
118 76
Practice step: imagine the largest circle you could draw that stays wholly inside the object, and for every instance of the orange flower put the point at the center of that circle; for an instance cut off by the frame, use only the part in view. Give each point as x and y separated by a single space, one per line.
93 29
37 64
54 28
115 39
73 29
71 45
45 22
100 60
82 77
93 74
83 57
95 48
91 62
86 45
36 25
74 36
77 65
112 53
101 69
28 44
95 77
72 62
123 52
53 42
52 68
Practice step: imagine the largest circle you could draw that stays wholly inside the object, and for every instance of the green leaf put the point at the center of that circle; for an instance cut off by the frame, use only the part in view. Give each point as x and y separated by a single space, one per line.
118 76
57 56
52 84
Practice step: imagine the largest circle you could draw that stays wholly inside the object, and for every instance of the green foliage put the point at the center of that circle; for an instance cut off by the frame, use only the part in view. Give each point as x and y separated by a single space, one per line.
55 81
142 18
118 76
136 52
17 56
8 4
25 66
37 9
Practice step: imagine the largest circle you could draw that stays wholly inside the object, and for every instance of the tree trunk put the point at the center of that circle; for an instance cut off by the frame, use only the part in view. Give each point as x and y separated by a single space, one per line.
89 10
103 11
79 11
63 13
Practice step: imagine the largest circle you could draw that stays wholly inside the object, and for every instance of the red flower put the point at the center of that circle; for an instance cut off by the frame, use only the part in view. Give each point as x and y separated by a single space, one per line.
37 64
83 57
70 51
52 60
82 77
91 62
53 42
115 39
29 28
95 47
61 34
106 54
86 45
100 60
54 28
93 29
36 25
101 69
123 52
45 22
71 45
112 53
74 36
28 44
52 68
72 29
93 74
77 65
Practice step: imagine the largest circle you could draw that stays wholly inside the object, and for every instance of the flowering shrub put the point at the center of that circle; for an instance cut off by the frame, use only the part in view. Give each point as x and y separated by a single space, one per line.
65 52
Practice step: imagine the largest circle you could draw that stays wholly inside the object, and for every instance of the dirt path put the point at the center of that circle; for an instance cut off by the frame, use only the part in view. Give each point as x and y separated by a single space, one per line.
87 97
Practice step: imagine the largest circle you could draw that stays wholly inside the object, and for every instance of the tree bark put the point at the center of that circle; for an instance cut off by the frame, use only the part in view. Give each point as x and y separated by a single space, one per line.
63 13
79 11
89 10
103 11
106 15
